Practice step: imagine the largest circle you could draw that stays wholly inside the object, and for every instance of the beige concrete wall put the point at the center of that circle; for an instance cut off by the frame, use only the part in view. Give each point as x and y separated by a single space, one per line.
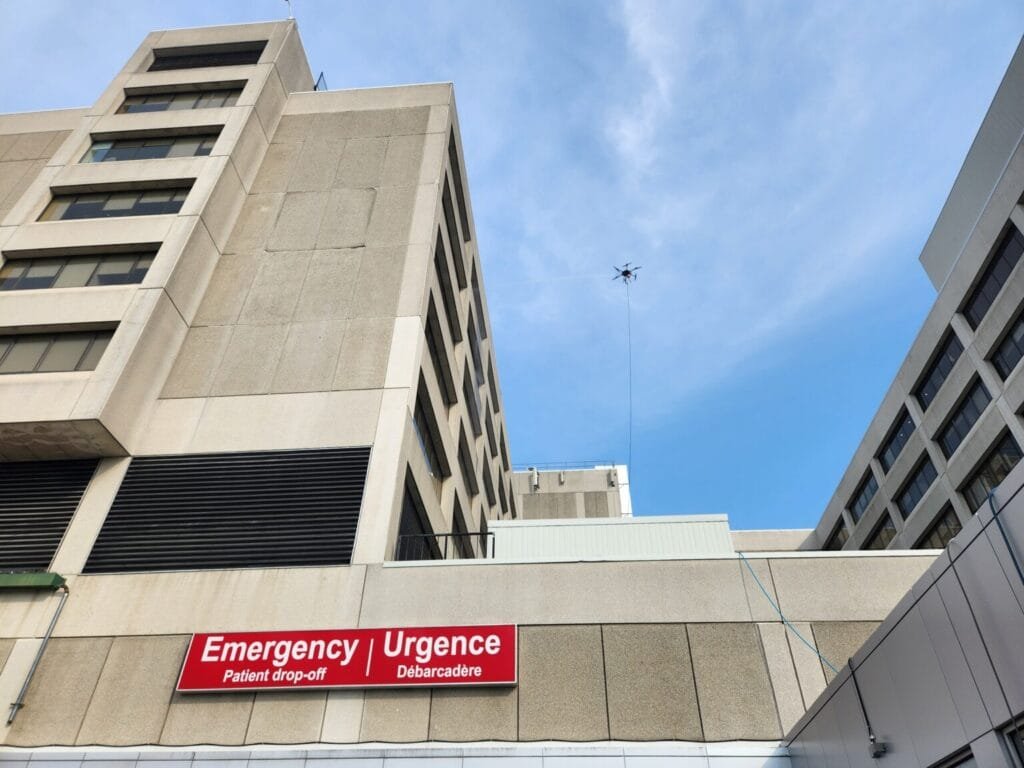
569 493
22 157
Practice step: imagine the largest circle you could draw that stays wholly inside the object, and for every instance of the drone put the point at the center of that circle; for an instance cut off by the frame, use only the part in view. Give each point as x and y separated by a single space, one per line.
626 273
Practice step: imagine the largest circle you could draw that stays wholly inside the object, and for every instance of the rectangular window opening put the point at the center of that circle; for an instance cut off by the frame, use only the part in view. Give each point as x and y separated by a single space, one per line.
883 534
838 538
164 101
439 355
454 241
993 277
157 148
194 57
460 195
862 496
948 353
75 271
946 526
896 439
993 469
146 202
916 486
444 279
52 352
964 416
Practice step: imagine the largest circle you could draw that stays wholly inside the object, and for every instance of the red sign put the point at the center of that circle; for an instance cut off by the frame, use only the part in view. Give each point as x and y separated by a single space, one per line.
351 658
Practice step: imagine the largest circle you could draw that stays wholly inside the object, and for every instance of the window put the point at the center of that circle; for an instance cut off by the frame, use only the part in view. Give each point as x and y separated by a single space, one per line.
491 440
451 309
416 540
964 416
493 384
429 437
101 205
883 534
52 352
150 149
949 352
453 159
254 509
472 395
466 465
438 356
453 236
488 484
993 470
478 302
191 57
474 350
74 271
898 436
502 499
463 539
838 538
1010 349
862 496
1016 739
997 271
37 501
175 100
914 489
504 450
946 526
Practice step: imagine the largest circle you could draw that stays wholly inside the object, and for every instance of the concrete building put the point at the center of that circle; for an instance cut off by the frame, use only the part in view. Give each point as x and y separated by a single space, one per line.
949 429
250 414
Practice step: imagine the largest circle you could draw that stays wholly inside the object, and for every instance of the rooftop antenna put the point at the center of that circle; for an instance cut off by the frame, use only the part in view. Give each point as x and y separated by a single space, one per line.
627 274
290 14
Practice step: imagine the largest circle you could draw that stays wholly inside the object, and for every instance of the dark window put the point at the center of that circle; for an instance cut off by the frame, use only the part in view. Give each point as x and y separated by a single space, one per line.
102 205
478 302
233 510
996 272
463 539
493 384
839 536
416 540
453 236
460 196
504 450
964 416
444 278
945 527
1010 349
472 395
862 496
37 501
466 465
502 499
474 351
227 55
917 484
491 439
52 352
949 352
150 149
485 545
488 484
429 436
883 534
175 100
439 356
74 271
993 470
898 436
1016 738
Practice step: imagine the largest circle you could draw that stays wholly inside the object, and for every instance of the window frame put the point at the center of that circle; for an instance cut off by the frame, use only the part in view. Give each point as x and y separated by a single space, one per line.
206 140
231 92
940 518
985 282
100 337
912 481
939 357
869 478
894 431
885 523
959 413
66 261
178 194
984 464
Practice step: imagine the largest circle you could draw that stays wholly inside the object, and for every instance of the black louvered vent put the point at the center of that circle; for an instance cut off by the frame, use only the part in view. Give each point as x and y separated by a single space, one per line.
37 500
234 510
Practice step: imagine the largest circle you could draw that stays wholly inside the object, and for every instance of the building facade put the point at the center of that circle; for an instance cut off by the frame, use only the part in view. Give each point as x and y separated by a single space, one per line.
950 429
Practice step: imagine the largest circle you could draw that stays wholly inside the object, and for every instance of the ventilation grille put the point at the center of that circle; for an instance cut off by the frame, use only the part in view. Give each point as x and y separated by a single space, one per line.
37 500
234 510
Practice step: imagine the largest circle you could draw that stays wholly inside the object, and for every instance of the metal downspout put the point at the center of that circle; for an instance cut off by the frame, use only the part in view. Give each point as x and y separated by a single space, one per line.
20 701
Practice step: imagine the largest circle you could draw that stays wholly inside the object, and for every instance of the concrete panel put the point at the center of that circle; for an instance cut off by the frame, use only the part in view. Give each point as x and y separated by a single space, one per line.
286 717
197 363
756 585
211 601
310 357
473 714
396 716
328 291
212 718
276 169
595 504
193 268
221 210
255 223
649 680
364 353
130 701
171 427
88 519
561 684
839 640
270 103
416 120
226 293
353 124
5 651
65 306
250 358
297 225
275 290
391 220
293 129
789 700
60 692
390 97
770 541
549 506
580 593
402 161
314 170
346 217
13 674
361 164
733 688
247 144
295 420
378 282
844 588
35 237
343 717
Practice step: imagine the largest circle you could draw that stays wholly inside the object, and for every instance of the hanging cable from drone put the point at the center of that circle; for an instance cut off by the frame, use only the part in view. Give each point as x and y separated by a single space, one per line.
627 274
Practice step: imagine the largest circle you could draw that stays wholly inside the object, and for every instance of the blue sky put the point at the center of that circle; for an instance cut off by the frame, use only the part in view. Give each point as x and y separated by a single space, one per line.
775 168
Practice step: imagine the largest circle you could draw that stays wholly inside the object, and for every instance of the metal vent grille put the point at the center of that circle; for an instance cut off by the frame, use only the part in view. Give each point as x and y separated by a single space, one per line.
37 500
233 510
